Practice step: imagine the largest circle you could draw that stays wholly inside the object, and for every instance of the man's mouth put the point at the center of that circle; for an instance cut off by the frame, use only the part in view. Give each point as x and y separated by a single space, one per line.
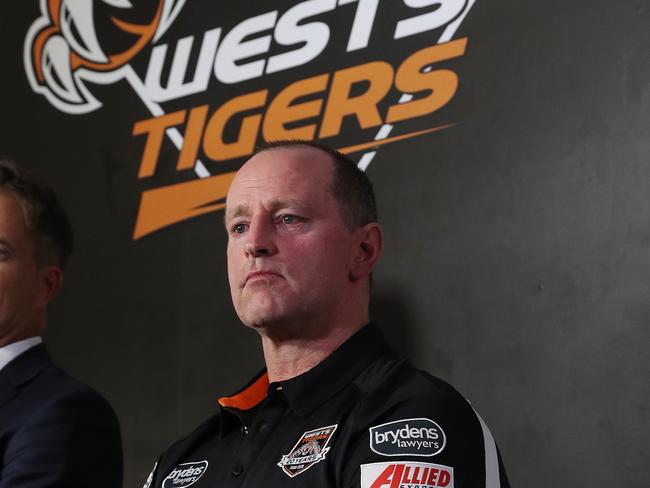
260 275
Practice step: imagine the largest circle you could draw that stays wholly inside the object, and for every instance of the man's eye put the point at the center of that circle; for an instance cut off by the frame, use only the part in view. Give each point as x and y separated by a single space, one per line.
289 219
239 228
4 254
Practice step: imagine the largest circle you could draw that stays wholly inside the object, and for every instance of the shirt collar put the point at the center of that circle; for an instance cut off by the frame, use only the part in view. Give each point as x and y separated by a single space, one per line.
308 391
11 351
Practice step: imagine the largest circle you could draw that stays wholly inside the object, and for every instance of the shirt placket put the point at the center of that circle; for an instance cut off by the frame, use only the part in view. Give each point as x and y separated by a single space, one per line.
255 435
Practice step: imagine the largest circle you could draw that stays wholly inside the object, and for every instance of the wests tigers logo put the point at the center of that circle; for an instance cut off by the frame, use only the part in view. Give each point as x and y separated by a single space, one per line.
75 46
69 43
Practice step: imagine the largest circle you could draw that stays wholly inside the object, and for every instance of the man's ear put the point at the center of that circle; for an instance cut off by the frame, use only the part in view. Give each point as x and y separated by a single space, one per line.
369 244
51 281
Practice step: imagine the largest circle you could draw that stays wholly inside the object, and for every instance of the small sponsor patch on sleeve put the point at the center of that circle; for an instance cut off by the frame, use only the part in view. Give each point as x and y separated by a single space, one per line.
186 474
406 474
408 437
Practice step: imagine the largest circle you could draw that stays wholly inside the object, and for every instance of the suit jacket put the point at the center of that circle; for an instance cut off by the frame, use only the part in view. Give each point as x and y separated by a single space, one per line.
55 432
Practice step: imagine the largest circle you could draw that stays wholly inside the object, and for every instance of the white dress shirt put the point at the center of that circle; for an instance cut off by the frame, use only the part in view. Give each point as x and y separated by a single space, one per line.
15 349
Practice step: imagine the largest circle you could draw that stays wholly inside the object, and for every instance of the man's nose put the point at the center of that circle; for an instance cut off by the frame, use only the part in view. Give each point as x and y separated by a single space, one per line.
260 239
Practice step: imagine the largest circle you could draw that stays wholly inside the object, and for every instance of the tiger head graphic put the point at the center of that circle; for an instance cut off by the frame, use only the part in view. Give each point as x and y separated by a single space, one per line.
63 47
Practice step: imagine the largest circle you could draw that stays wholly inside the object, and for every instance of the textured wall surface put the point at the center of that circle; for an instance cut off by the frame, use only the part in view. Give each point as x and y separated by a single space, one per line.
517 260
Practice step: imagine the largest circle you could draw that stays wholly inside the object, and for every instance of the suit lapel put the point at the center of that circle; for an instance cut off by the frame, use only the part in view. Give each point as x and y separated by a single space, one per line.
7 390
21 370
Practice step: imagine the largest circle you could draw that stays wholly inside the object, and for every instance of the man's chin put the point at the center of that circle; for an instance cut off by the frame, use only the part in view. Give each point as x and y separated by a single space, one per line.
260 315
269 323
258 305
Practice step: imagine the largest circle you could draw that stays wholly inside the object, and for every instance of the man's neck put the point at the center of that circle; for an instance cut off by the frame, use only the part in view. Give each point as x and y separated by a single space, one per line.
290 357
23 331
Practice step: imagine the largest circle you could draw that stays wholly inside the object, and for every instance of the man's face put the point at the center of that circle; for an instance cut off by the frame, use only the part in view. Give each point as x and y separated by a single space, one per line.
20 277
289 253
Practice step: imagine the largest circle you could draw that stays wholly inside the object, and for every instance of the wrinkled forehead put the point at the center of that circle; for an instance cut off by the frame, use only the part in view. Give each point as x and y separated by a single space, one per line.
295 173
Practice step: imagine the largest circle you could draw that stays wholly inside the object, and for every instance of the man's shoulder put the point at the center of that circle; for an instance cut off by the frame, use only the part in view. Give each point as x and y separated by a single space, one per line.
61 387
392 386
74 427
42 376
407 419
36 385
398 380
207 429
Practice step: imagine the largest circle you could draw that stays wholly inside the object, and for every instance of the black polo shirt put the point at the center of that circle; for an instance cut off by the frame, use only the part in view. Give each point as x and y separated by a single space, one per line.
361 418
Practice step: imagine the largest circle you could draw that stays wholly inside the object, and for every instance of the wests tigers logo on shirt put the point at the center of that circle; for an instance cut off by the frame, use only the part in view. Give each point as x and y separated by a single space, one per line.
310 449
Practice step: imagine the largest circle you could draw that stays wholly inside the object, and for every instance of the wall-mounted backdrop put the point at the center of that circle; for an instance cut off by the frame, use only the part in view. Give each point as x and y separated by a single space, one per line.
509 145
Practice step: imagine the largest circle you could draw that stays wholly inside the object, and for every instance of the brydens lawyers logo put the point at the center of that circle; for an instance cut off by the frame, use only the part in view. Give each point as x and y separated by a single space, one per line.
406 475
216 93
310 449
412 437
185 474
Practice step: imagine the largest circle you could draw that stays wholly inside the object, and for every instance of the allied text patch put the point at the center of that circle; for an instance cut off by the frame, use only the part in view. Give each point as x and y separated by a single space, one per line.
405 474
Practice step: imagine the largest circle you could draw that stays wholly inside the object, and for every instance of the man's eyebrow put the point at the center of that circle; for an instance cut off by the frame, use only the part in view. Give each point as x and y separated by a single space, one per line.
236 211
273 206
286 203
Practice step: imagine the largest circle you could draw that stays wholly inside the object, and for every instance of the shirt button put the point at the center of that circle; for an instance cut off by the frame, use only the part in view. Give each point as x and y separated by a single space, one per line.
244 429
237 470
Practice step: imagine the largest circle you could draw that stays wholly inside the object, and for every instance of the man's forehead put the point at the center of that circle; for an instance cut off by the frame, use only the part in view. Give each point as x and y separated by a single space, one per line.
13 217
12 205
288 160
291 171
281 177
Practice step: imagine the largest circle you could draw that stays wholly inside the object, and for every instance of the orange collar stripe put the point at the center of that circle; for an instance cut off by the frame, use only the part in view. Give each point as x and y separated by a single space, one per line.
249 397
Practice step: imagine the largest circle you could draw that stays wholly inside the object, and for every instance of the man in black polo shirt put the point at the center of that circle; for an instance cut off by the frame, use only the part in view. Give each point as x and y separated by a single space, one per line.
334 407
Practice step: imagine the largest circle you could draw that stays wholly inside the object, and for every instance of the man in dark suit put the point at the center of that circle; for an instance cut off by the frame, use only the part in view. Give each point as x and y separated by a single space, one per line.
54 430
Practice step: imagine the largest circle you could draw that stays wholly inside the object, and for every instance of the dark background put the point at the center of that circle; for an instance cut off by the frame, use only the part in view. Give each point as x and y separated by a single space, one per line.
517 263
